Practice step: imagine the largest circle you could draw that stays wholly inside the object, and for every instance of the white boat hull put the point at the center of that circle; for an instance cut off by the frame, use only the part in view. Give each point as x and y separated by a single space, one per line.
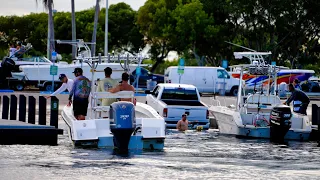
97 132
42 73
230 122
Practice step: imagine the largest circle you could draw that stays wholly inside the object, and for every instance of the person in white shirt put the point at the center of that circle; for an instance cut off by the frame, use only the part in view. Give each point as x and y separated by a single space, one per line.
67 84
12 50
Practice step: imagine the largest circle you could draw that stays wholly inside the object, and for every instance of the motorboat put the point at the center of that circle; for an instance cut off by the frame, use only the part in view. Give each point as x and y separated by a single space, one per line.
122 125
261 114
284 75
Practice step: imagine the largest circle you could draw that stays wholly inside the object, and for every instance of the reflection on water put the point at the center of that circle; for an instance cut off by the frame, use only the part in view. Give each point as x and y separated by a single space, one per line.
190 155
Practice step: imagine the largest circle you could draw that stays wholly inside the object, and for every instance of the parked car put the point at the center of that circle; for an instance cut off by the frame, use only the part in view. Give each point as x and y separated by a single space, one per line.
144 76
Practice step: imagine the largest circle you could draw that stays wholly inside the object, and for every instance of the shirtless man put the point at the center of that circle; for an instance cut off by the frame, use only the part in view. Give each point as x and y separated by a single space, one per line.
123 86
183 124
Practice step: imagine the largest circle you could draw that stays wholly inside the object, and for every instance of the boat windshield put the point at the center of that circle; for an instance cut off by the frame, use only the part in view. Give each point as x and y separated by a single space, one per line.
179 94
35 59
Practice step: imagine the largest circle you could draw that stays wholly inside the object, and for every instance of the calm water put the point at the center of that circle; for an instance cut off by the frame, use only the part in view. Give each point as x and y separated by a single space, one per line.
192 155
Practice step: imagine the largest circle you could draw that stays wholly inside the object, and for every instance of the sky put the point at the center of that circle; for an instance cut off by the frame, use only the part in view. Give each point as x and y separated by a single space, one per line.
24 7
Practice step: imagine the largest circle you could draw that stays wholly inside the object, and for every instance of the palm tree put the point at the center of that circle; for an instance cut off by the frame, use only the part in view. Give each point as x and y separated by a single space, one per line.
73 23
95 26
48 4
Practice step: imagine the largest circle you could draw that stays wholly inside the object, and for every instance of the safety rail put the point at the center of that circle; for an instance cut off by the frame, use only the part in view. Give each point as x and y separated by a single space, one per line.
215 102
121 94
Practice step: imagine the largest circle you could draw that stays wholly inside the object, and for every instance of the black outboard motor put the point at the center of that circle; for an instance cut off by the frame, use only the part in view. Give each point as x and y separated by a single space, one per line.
280 122
7 65
123 114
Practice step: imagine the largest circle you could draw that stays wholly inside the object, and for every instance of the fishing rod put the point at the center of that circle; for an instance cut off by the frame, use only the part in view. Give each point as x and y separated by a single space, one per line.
240 46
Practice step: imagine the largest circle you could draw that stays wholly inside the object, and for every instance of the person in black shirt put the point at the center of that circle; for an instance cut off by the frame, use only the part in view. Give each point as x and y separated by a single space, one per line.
300 100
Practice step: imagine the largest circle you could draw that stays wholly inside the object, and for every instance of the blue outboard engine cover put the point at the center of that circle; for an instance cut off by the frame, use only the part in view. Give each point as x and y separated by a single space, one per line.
123 114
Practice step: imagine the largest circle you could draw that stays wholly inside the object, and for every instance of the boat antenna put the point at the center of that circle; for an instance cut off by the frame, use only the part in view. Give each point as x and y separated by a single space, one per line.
241 46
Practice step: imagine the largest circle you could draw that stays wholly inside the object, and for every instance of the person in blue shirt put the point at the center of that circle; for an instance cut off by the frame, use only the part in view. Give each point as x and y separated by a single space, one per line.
299 98
80 92
296 84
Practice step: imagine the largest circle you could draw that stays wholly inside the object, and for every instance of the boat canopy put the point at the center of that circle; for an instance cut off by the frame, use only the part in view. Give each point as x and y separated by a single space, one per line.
254 57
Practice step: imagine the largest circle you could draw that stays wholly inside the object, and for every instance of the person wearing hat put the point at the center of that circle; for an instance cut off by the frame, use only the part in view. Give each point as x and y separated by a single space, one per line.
80 92
183 124
66 84
105 84
296 84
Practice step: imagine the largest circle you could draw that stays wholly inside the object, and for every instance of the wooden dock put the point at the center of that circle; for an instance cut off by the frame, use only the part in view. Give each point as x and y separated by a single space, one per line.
25 130
17 132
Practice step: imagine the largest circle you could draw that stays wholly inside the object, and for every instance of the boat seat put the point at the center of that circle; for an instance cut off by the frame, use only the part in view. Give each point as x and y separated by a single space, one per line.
253 108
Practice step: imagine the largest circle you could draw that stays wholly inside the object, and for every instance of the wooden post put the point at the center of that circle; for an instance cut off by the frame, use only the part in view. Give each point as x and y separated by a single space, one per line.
5 107
13 107
314 114
42 110
318 123
54 112
22 108
32 110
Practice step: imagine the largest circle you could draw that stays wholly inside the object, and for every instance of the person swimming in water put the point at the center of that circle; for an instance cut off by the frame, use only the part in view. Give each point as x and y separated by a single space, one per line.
183 124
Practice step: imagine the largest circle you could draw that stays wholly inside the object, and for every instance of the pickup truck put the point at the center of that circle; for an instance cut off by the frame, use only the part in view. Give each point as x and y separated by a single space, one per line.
171 101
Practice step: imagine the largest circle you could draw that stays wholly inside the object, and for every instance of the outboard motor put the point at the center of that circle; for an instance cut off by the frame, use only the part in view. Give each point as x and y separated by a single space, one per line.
123 114
7 65
280 122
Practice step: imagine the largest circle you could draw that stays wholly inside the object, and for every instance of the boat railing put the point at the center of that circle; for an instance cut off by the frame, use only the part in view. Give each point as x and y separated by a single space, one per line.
96 96
121 94
215 102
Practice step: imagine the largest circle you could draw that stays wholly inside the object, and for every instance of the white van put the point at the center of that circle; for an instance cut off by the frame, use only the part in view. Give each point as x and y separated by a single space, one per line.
206 79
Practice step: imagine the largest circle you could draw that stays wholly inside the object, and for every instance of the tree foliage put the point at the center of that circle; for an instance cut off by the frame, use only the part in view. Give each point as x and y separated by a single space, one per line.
33 28
196 29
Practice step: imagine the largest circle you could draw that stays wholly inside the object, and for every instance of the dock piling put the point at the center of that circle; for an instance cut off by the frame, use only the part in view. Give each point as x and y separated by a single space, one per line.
54 112
5 107
32 110
22 108
42 110
314 115
13 107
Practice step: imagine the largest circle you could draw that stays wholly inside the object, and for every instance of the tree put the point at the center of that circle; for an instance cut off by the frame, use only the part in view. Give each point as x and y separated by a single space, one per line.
73 22
94 34
191 22
48 4
155 23
124 33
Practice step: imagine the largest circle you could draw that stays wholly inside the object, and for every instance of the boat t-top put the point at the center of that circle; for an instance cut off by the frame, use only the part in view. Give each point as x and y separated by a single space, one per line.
121 125
261 114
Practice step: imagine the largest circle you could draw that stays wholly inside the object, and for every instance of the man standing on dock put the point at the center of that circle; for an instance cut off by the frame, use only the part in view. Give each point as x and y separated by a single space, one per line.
66 84
300 100
80 92
105 84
